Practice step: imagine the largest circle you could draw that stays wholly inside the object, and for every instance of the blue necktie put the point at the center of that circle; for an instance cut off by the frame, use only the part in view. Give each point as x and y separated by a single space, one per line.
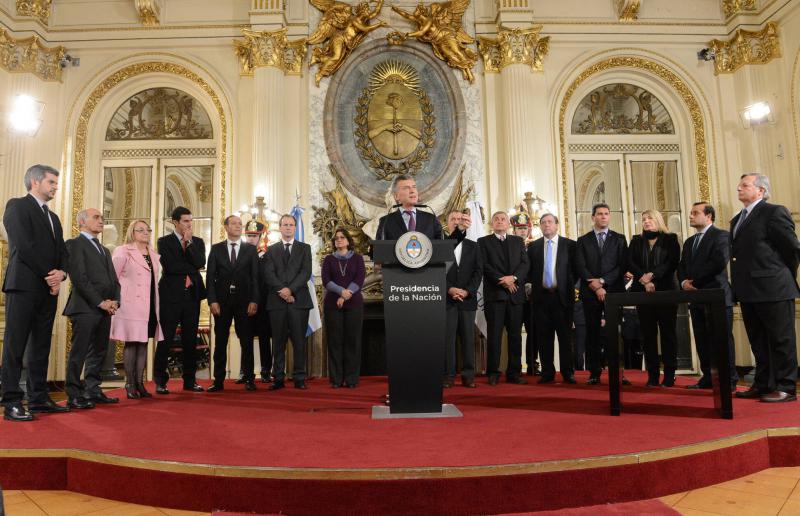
696 243
548 264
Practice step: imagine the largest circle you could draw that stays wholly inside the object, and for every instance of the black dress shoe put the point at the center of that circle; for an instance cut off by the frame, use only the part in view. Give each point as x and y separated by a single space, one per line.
593 380
102 399
749 394
493 380
217 387
240 380
570 380
351 385
778 397
265 377
447 384
276 386
250 385
48 407
546 379
80 404
517 380
192 387
625 381
699 385
668 382
17 412
161 389
469 383
300 384
131 392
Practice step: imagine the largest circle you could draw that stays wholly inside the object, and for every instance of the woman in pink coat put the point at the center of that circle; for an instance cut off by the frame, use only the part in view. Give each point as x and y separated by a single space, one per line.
136 320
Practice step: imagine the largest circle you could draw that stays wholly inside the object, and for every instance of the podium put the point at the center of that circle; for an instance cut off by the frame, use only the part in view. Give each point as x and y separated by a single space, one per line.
414 302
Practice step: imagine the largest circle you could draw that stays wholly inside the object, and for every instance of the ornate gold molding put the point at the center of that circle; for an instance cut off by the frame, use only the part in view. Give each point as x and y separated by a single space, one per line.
39 9
149 12
734 7
514 46
29 55
270 48
628 10
746 47
670 78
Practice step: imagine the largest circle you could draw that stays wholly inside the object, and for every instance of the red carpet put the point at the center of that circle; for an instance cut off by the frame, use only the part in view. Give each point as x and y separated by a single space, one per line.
326 429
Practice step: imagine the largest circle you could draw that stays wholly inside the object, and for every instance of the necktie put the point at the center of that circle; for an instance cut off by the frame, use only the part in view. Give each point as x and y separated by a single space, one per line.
412 224
548 265
741 221
49 220
287 252
99 247
601 240
187 282
233 254
696 243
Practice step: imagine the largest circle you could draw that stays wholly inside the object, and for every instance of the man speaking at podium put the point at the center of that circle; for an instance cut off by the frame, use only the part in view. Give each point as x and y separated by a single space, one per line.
407 218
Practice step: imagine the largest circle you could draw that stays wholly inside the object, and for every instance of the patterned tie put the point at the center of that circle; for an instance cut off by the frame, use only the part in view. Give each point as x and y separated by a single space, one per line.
601 240
548 264
233 253
412 224
696 243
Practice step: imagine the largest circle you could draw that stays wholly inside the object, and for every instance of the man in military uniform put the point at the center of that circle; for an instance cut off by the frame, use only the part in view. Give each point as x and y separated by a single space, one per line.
521 223
255 234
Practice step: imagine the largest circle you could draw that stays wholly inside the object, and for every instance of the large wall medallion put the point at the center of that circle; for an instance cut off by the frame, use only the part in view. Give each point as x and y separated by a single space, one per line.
394 110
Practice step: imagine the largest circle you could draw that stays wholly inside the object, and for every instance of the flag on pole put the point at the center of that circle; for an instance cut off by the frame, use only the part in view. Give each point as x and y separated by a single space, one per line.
474 232
314 320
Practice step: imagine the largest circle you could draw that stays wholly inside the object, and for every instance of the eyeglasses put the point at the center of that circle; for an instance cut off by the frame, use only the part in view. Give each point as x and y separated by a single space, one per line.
142 230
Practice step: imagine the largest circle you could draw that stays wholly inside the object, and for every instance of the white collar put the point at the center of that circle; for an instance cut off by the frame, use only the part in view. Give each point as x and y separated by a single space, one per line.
749 209
230 242
554 239
290 242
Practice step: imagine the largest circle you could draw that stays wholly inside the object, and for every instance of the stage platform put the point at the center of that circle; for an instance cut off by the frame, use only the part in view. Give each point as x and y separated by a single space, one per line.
517 448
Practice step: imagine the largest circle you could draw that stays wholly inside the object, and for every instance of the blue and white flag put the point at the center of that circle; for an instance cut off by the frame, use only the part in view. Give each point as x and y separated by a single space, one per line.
314 320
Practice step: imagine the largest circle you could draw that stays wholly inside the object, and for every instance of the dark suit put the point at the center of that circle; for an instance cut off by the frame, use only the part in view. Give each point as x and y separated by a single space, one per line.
608 264
764 258
288 320
552 308
392 226
179 304
466 274
35 248
234 286
261 325
707 267
93 281
503 308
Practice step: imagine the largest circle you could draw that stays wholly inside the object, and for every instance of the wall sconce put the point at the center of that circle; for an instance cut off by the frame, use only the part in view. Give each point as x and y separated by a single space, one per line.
757 114
25 115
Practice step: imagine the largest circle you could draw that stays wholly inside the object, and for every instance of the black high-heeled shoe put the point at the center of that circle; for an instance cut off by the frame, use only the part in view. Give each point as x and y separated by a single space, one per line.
142 391
131 391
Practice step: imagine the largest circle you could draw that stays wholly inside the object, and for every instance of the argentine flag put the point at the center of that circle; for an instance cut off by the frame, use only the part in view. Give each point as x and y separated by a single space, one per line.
314 320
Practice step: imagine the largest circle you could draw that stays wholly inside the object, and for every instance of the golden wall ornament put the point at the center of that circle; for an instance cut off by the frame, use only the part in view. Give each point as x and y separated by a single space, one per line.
341 29
628 10
270 48
160 114
458 198
669 77
440 24
734 7
39 9
394 121
149 12
746 47
30 55
514 46
339 214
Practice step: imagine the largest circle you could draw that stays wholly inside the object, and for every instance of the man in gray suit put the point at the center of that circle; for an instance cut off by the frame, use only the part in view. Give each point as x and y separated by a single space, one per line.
93 300
287 270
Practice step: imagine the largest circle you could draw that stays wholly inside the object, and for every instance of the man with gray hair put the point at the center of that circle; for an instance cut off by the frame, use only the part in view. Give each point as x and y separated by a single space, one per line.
93 300
36 262
765 254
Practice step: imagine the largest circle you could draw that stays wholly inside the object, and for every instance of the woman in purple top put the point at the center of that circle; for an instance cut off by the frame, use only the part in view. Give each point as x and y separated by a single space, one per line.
343 277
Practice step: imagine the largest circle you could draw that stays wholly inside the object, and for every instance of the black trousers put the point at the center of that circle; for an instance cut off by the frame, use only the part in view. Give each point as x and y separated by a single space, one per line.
343 331
500 315
653 320
461 325
263 330
187 314
289 323
29 324
595 339
770 329
554 319
236 313
89 344
532 351
704 345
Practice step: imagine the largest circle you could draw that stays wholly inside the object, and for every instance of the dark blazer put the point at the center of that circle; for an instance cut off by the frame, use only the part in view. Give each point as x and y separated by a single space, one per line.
392 226
93 276
34 249
609 265
708 267
466 275
494 267
664 258
176 264
764 255
243 275
294 275
565 270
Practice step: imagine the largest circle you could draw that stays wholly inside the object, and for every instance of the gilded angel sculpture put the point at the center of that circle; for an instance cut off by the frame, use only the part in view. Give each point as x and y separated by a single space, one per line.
441 26
340 30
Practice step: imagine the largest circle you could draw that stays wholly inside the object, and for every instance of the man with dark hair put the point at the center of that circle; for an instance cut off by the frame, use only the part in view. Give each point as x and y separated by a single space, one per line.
180 291
601 261
764 257
36 263
407 218
704 264
232 279
287 269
